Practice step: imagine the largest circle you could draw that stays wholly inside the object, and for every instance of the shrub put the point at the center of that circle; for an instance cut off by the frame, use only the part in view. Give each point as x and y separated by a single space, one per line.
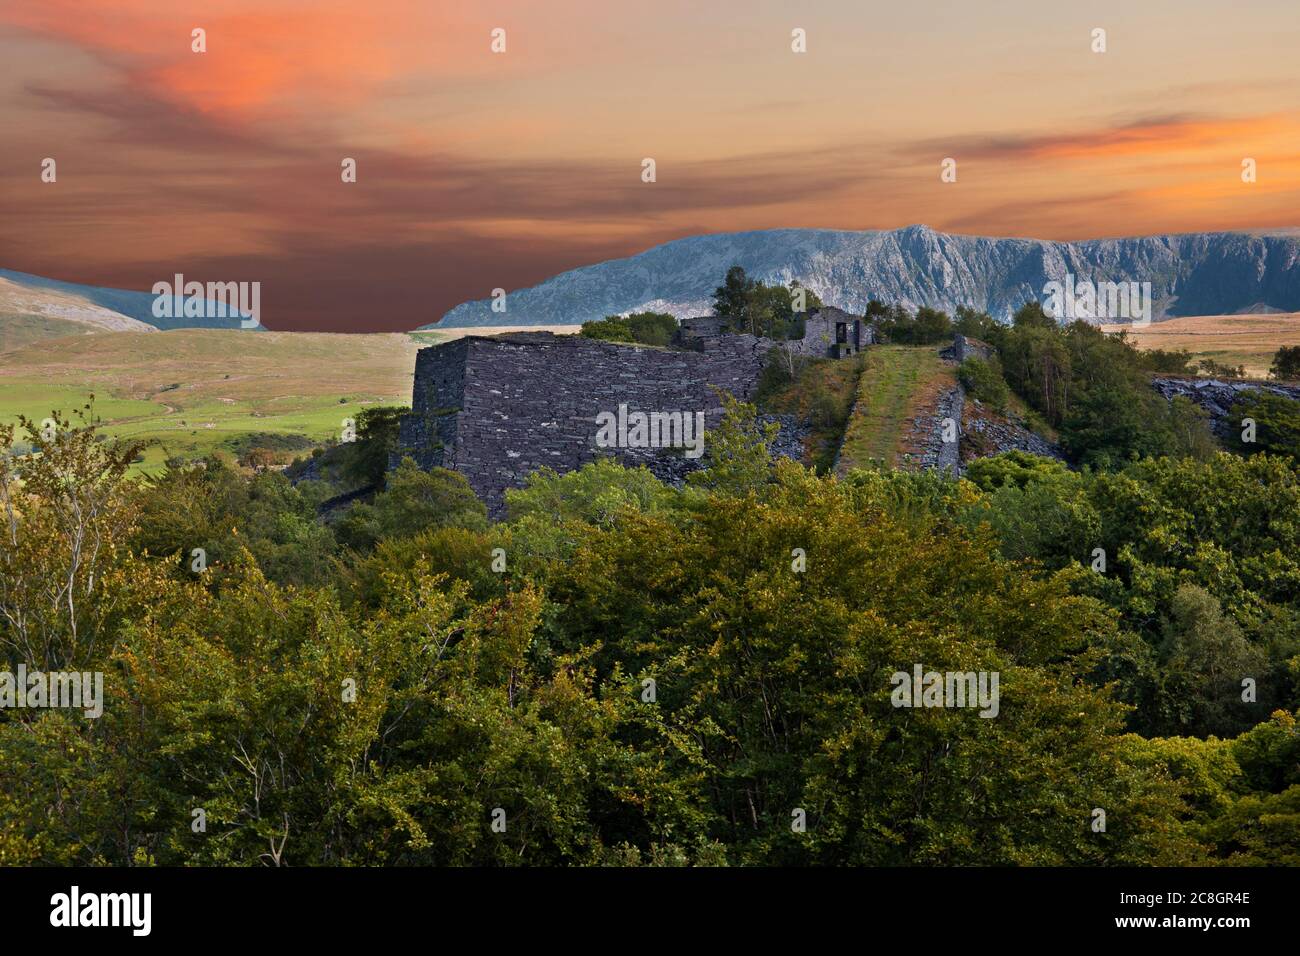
611 329
1176 361
643 328
983 380
1217 370
651 328
1277 424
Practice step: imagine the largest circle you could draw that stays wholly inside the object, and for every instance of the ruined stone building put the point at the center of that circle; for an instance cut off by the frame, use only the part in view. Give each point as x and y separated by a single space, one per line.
834 332
498 408
828 332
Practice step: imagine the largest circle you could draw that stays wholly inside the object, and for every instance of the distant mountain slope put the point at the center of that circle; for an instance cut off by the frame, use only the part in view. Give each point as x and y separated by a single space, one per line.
29 314
128 305
1191 274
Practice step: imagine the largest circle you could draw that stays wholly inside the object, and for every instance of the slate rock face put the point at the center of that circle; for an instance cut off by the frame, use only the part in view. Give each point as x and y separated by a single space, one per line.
989 434
497 409
1212 273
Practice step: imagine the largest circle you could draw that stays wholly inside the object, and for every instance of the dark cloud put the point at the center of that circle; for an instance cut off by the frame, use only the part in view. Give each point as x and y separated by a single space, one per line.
1097 138
137 118
408 241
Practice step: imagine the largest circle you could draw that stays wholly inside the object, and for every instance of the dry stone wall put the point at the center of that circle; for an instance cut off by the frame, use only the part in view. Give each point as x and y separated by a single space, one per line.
935 451
496 409
963 348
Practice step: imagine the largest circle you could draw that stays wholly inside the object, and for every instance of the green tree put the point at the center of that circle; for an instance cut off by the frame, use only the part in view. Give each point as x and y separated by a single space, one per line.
1032 315
731 299
644 328
210 507
737 451
413 501
784 679
1037 364
761 309
932 326
377 428
1219 370
1277 424
65 509
977 325
1176 361
1206 657
609 329
652 328
983 380
1286 363
596 493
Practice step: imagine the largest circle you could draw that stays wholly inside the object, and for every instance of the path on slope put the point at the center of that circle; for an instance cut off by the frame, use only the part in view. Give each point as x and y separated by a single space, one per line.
897 394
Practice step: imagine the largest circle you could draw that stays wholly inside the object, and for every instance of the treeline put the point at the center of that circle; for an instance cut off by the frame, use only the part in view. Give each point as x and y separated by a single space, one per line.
624 673
643 328
772 311
748 305
1094 389
925 326
1091 389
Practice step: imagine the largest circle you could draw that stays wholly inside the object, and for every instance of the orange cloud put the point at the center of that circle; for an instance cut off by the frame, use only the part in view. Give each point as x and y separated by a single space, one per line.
261 57
1148 138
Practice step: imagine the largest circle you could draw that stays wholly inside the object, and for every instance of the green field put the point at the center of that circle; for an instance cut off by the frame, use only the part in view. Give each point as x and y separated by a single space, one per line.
1247 340
192 392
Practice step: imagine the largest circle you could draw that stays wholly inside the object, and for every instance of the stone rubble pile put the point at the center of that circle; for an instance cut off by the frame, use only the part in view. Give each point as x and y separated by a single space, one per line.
1217 396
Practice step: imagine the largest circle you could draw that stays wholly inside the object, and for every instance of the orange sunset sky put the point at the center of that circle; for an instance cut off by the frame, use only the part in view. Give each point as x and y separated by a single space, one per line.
478 170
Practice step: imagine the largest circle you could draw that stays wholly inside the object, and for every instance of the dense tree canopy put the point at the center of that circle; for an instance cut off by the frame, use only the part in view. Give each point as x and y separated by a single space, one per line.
626 673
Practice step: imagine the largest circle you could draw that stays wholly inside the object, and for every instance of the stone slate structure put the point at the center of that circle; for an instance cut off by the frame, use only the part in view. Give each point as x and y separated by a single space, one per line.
692 331
963 348
937 453
834 332
497 408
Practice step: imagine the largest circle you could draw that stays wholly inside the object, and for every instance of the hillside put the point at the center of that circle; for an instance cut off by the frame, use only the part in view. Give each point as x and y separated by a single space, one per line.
31 314
1190 274
195 390
25 296
823 397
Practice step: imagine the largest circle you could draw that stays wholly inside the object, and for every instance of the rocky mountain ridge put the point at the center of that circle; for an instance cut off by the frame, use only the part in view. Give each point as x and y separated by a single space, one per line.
1190 274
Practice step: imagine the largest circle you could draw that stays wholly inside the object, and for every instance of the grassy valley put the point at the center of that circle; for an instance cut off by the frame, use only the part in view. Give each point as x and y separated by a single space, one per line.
192 391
